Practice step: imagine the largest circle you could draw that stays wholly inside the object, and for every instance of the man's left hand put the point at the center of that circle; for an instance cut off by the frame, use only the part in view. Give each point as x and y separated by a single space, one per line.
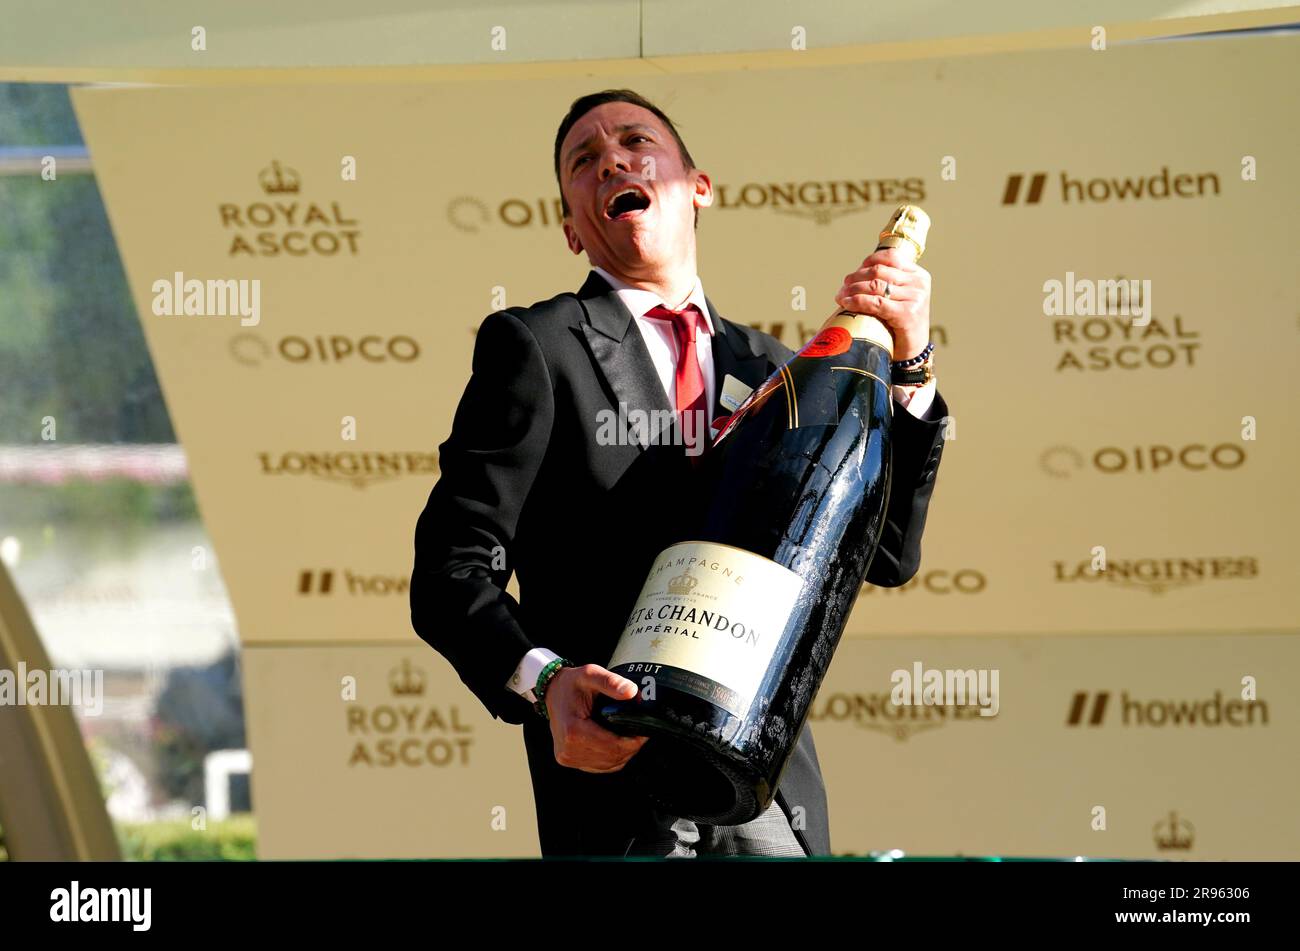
906 311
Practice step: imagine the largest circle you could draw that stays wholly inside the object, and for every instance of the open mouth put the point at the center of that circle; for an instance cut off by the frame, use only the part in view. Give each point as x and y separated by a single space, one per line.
627 203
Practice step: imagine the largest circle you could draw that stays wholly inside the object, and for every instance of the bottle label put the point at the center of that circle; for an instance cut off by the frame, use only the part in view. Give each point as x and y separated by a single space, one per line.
708 622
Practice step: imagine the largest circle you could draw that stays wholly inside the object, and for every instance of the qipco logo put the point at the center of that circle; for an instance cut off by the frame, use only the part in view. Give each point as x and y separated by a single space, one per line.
938 581
254 350
1194 457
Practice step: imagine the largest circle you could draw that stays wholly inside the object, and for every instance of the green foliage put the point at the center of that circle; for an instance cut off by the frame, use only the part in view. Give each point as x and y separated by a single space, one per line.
71 345
37 114
231 840
105 503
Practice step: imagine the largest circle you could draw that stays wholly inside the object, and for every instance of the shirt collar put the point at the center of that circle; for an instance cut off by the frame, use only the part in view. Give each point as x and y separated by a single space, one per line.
639 301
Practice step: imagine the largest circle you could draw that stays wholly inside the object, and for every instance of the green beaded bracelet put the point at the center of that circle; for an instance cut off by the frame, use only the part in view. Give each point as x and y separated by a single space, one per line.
543 681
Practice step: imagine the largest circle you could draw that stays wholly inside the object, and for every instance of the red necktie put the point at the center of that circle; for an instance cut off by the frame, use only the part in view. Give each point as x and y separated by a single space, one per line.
688 383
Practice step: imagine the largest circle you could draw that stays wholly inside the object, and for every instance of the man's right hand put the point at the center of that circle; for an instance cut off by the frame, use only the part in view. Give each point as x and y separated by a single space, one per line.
579 741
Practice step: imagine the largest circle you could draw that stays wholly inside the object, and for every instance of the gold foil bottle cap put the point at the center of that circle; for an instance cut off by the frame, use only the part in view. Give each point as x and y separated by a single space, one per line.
908 227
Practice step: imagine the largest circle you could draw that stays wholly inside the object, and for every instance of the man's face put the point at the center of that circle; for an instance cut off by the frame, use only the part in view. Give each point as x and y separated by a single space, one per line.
619 147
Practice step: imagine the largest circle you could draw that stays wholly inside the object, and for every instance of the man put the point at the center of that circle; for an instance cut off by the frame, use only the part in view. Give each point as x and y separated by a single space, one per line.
528 484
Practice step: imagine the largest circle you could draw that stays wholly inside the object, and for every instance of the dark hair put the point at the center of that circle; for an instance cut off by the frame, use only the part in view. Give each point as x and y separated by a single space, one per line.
588 102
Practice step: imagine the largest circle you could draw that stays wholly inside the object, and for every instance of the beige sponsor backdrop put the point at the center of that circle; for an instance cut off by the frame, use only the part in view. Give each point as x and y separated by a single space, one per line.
408 766
1030 165
1169 735
331 41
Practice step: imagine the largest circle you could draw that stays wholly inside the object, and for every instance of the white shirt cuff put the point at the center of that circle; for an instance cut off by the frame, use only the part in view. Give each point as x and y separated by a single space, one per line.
524 679
916 399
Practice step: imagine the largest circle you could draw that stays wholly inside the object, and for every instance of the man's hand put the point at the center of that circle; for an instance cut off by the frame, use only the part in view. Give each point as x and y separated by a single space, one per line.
906 311
579 742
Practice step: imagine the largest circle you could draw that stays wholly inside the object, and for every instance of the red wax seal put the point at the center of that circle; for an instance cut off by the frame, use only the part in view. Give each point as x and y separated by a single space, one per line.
829 343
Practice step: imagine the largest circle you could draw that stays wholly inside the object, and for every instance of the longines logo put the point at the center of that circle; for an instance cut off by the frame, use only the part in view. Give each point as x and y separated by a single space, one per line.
1090 709
405 733
937 581
1064 461
357 469
820 202
878 712
1172 834
320 583
1029 189
1157 575
282 224
253 350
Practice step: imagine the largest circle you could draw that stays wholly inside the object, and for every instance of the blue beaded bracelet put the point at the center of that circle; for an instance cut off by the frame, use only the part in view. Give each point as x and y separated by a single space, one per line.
919 358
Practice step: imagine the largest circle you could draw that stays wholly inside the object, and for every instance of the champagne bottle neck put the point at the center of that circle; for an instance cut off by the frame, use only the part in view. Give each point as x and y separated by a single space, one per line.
907 241
862 327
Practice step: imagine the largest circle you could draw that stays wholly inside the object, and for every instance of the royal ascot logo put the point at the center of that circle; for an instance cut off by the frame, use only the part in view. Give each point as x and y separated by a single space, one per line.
879 713
357 469
1061 462
1029 189
1100 325
319 582
252 350
1117 343
284 224
1156 575
1090 709
406 733
934 581
1172 834
820 202
406 681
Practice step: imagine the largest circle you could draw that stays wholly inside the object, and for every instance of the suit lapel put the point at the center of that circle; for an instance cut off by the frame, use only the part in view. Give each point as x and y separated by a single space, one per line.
732 357
622 357
620 353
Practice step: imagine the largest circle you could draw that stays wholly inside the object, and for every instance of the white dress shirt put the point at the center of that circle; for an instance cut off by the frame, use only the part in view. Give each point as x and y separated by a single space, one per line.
661 337
661 340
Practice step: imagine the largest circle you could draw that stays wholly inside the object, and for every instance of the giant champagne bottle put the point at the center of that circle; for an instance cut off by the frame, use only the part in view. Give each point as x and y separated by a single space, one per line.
735 627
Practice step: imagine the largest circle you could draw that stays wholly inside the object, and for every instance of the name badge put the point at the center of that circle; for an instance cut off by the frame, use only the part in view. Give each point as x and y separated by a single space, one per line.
734 393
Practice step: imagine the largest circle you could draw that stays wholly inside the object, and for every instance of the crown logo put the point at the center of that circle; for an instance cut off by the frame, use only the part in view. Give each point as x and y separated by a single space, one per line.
682 584
406 681
274 181
1173 833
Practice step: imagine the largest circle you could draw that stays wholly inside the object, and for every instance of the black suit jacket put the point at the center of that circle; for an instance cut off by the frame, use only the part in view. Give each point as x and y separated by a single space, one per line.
523 476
